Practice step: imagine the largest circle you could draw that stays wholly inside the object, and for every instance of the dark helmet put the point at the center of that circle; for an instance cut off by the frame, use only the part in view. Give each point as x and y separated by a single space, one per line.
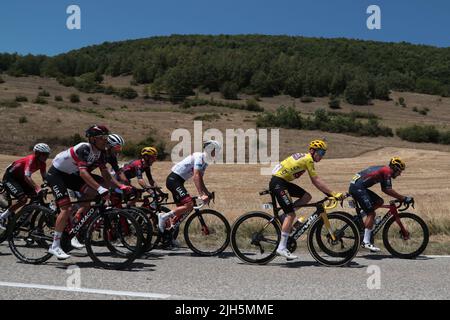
95 131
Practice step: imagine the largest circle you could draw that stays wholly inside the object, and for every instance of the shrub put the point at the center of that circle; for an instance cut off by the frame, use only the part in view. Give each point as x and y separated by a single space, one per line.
1 80
284 118
415 109
109 90
419 134
307 99
229 90
59 98
402 101
253 105
9 104
127 93
21 99
334 103
124 107
208 117
40 100
132 150
74 98
67 81
44 93
23 119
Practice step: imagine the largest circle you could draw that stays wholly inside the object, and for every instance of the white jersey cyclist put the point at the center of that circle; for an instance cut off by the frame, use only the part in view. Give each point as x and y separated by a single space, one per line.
81 156
185 168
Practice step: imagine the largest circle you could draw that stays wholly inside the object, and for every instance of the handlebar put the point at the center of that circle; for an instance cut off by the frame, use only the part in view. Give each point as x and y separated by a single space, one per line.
398 204
212 197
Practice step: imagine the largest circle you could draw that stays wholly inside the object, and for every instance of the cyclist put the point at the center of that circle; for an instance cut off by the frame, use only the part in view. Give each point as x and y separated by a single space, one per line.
280 185
113 148
192 166
17 178
368 200
69 170
136 168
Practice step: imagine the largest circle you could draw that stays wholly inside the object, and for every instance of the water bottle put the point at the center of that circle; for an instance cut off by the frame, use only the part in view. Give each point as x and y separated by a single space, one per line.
377 220
351 203
300 221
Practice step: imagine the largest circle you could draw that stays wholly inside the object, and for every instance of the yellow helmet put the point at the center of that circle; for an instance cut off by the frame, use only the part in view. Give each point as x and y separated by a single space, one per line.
151 151
398 163
318 144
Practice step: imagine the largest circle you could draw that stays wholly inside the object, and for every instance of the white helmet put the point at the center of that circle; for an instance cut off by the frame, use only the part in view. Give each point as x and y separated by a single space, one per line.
42 147
115 140
211 145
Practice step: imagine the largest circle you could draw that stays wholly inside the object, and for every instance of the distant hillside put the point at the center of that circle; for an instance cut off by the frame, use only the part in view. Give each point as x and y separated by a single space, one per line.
252 64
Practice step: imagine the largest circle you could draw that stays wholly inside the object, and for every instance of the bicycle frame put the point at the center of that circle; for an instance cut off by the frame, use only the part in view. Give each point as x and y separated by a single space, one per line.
320 213
393 211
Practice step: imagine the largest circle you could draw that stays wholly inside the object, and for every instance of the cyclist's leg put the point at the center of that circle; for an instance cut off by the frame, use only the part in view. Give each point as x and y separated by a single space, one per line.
18 190
366 200
175 185
59 183
279 188
300 193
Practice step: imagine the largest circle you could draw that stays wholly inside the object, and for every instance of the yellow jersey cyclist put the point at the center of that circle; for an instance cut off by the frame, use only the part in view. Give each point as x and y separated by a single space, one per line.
368 200
280 185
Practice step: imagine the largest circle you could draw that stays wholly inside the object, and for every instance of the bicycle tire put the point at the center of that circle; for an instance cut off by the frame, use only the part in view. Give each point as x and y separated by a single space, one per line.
240 252
346 256
189 232
38 237
108 217
146 227
410 255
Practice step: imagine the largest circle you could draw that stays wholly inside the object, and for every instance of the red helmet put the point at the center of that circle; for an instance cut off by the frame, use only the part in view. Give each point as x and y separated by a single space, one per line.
95 131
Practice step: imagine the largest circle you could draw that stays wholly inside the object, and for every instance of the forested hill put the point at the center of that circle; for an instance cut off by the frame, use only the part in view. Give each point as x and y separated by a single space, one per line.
254 64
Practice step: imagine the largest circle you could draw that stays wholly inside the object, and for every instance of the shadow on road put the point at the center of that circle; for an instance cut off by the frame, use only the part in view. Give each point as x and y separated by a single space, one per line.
386 256
134 267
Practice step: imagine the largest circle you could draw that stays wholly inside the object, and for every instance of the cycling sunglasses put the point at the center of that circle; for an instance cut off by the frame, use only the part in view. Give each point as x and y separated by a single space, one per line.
321 152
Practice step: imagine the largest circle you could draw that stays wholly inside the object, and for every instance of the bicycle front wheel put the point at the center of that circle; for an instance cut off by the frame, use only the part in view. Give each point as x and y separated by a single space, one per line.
410 243
255 237
115 227
207 232
338 251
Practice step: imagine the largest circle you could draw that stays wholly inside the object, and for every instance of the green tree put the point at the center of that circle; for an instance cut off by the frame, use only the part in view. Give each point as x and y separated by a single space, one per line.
357 92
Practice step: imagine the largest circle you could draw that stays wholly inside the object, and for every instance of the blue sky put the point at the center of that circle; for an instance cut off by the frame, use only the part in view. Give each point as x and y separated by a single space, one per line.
39 27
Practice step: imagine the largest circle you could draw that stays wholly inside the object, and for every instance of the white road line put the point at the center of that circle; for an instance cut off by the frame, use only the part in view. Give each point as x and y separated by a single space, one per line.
85 290
436 256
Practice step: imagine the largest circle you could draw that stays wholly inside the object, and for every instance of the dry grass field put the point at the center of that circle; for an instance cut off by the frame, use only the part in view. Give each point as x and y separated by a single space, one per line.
63 119
427 179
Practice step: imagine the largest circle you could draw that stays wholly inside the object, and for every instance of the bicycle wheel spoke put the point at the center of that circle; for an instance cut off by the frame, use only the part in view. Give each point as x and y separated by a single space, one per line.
207 233
254 239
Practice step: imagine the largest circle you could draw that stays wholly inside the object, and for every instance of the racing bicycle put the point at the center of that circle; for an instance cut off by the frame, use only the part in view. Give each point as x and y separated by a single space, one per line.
255 235
405 235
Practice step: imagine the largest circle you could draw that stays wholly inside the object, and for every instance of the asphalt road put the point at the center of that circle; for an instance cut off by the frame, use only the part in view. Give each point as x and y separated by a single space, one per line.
181 275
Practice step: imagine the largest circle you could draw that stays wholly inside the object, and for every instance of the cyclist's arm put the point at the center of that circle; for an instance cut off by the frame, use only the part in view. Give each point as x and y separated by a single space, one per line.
319 184
149 177
109 178
199 183
394 194
31 183
90 181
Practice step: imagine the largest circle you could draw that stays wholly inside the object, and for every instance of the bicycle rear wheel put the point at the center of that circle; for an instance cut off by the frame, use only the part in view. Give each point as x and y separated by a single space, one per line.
336 252
255 237
207 232
406 246
116 227
30 242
